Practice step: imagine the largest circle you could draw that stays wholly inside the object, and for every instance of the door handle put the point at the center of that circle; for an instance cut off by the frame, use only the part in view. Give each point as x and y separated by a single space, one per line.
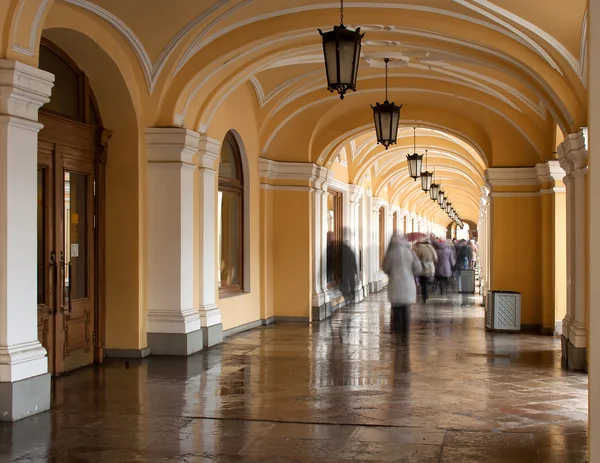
61 296
51 266
70 285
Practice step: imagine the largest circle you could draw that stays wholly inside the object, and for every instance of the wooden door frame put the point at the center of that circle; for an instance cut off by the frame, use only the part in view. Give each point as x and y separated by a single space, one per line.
62 131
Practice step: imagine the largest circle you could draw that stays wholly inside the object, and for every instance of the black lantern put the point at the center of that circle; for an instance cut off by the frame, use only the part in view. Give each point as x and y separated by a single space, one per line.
440 197
341 48
443 205
448 207
435 189
426 177
415 161
386 117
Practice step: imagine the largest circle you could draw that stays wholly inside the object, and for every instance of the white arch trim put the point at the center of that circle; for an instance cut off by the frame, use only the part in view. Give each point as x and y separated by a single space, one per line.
402 89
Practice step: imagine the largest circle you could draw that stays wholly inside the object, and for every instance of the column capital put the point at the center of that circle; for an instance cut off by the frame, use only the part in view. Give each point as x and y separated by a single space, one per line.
208 152
23 89
317 177
572 152
356 192
172 144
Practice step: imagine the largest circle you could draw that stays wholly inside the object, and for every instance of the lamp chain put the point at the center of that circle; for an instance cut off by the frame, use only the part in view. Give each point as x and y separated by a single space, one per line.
425 160
386 78
341 11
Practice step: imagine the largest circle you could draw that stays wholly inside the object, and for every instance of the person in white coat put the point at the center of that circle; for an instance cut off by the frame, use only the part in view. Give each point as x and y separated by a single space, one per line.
401 265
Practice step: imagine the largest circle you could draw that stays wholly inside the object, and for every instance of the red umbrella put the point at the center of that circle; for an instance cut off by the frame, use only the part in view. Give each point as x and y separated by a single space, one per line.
415 236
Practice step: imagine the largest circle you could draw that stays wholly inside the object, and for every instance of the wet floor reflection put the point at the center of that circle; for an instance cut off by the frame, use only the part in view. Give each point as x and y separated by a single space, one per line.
354 387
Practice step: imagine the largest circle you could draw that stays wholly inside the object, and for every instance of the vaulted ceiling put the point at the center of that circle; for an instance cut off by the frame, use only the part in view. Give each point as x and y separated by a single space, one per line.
489 82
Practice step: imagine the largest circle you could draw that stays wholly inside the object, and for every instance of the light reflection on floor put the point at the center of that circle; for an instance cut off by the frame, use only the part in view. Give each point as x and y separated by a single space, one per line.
346 389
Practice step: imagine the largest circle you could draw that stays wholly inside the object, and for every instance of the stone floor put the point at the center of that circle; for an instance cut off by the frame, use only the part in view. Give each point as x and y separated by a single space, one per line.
347 389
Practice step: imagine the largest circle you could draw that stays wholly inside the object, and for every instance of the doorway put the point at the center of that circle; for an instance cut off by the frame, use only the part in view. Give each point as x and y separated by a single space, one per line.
70 178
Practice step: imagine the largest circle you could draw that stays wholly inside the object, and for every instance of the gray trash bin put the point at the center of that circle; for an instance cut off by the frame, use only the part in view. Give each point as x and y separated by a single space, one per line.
503 311
466 281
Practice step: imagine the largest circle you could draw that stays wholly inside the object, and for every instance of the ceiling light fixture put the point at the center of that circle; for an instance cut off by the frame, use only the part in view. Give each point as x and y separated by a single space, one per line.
386 117
341 49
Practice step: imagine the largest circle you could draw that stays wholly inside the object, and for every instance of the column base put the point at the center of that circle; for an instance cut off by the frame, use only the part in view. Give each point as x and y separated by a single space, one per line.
573 358
175 343
212 335
24 398
127 353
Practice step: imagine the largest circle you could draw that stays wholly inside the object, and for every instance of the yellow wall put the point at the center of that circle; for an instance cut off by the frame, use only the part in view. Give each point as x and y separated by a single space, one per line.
516 252
560 255
340 172
238 113
292 256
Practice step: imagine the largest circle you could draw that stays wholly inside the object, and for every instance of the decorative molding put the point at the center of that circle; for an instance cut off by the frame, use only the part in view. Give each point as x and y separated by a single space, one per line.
209 150
512 176
528 26
151 70
299 171
506 29
499 113
266 186
23 89
549 171
35 26
172 144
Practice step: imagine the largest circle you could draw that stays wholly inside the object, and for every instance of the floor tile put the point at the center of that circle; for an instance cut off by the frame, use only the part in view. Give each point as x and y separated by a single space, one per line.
347 389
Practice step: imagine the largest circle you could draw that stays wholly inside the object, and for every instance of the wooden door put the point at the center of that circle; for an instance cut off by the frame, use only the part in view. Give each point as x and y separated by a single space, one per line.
76 263
47 266
67 245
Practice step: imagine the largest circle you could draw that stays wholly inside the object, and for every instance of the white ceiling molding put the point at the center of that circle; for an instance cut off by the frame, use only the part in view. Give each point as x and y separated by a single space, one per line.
459 81
229 59
419 196
331 98
203 40
392 159
391 156
542 83
151 70
583 48
260 94
559 47
538 49
35 26
446 169
368 128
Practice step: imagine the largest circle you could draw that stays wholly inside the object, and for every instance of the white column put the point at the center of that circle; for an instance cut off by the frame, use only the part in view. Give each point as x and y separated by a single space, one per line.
206 200
366 240
594 228
173 321
573 159
319 194
356 193
24 378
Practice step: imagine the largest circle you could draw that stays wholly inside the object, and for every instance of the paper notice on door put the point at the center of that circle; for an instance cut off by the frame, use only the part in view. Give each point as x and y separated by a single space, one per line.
74 250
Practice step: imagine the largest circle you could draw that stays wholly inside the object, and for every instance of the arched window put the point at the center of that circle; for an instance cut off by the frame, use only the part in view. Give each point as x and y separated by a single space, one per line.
231 217
72 96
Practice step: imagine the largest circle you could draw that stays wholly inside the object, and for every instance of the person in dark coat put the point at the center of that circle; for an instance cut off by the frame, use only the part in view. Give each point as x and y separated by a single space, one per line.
443 268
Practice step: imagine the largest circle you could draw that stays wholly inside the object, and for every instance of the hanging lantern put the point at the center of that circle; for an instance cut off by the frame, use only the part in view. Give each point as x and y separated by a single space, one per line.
444 202
414 161
341 48
433 192
426 177
435 189
440 197
448 207
386 117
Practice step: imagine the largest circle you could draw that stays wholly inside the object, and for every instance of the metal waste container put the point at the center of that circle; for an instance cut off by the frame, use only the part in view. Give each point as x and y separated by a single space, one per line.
466 281
503 311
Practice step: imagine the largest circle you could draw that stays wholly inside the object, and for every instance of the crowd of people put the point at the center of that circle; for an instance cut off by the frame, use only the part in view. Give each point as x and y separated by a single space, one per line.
431 264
